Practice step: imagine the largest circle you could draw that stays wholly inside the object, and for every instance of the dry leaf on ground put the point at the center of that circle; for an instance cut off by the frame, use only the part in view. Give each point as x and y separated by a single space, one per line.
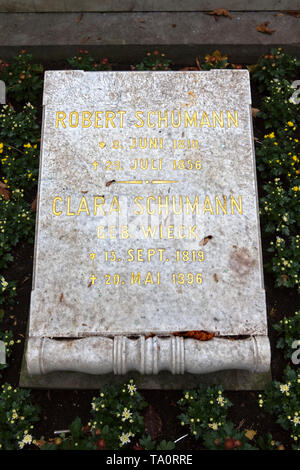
255 111
220 12
4 192
250 434
34 204
263 28
200 335
295 13
79 18
186 69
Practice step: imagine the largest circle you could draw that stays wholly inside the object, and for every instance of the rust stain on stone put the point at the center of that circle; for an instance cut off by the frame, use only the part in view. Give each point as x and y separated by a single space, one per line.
241 261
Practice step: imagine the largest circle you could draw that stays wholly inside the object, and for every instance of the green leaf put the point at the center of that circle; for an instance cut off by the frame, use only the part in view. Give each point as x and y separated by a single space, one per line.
164 445
76 428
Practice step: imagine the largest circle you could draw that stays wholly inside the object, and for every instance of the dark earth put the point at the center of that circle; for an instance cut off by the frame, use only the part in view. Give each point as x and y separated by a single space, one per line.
60 407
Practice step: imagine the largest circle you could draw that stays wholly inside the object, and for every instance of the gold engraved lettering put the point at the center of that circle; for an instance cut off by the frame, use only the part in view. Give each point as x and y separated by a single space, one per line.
204 120
190 121
99 206
237 205
216 118
60 119
149 124
55 212
68 206
137 115
86 116
164 119
207 207
83 207
233 119
98 117
222 206
109 117
178 123
76 115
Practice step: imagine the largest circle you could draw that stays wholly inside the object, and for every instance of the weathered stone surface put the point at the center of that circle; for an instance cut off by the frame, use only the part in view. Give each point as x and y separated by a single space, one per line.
141 5
201 270
2 353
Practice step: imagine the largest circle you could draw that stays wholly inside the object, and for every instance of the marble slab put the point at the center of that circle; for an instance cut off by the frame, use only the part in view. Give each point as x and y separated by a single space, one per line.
147 220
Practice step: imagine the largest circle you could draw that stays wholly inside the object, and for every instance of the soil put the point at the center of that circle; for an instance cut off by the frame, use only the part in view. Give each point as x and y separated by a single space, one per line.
244 412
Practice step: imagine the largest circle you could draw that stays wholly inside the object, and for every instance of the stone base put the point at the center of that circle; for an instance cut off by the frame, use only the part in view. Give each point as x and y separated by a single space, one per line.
229 379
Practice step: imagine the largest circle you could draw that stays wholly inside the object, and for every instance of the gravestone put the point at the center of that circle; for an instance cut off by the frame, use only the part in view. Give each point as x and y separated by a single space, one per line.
147 250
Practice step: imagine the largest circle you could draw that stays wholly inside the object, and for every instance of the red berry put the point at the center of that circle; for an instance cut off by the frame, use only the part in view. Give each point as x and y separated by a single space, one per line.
137 447
101 444
237 443
229 443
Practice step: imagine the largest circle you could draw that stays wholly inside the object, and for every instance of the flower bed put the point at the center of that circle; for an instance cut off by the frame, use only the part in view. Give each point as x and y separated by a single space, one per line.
119 418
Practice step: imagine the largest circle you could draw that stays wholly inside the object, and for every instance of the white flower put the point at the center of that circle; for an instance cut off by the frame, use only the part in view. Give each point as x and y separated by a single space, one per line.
124 438
21 444
27 439
126 414
284 388
213 426
131 389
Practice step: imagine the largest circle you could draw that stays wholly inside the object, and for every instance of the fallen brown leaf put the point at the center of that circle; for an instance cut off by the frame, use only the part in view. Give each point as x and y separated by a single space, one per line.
153 423
220 12
34 204
295 13
273 312
263 28
216 277
185 69
200 335
26 278
85 39
40 443
252 67
109 183
79 18
150 335
205 240
250 434
4 192
61 297
255 111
